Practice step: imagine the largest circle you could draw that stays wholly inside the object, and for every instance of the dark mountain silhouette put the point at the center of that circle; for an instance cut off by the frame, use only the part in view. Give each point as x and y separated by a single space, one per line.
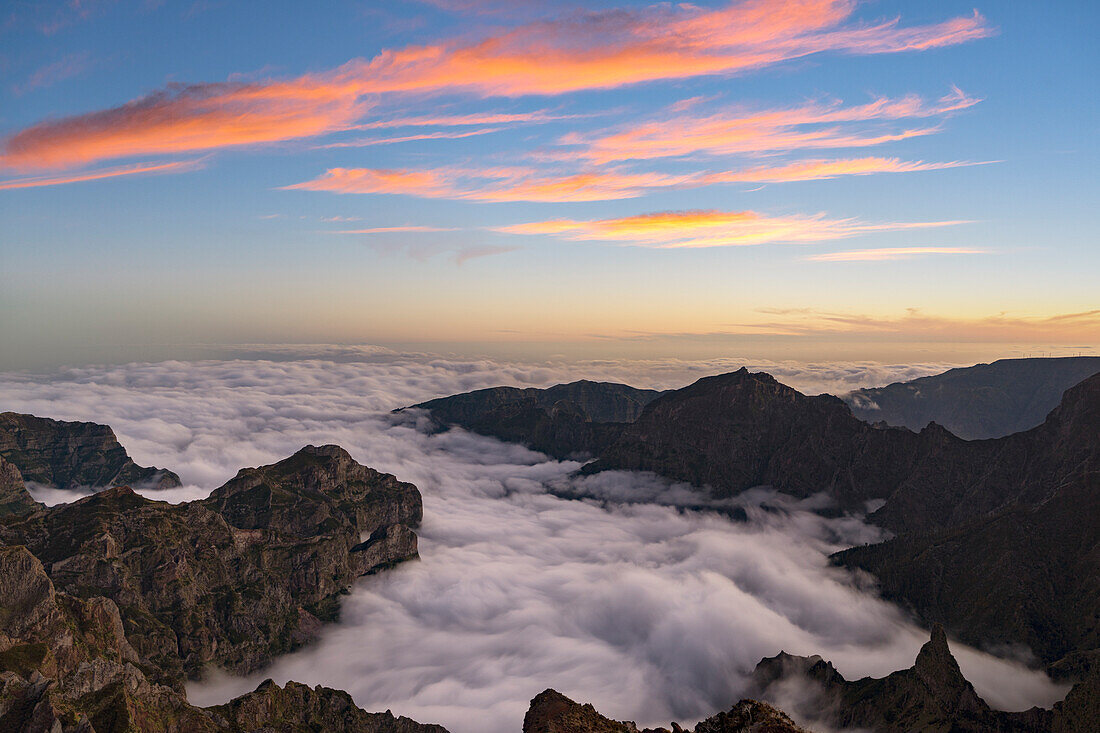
982 401
999 539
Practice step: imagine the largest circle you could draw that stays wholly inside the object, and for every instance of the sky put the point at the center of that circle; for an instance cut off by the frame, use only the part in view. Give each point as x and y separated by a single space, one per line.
792 180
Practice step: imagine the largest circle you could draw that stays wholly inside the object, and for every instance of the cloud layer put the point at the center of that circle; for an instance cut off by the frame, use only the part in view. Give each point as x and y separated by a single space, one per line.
650 612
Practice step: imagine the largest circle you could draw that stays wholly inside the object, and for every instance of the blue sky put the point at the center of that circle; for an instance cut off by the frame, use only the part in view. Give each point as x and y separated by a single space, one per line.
708 223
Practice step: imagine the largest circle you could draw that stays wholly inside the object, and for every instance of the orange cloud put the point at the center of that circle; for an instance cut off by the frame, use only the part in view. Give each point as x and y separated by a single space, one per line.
122 170
762 131
499 118
591 51
892 253
610 49
185 119
708 228
526 184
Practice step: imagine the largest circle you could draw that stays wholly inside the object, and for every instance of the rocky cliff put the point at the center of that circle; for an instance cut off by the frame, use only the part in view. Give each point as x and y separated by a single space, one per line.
66 666
231 580
72 455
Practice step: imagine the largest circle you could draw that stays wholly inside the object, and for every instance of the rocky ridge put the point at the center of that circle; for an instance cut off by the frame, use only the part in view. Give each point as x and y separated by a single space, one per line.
73 455
981 526
552 712
110 603
564 421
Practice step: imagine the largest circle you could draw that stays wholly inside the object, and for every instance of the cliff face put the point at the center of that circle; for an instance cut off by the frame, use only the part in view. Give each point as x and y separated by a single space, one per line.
236 578
71 455
982 401
66 667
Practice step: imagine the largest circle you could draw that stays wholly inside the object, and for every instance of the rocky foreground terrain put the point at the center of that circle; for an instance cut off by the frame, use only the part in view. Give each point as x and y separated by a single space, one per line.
109 604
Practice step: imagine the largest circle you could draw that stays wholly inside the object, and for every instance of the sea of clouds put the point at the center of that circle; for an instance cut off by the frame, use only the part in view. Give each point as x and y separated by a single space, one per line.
650 611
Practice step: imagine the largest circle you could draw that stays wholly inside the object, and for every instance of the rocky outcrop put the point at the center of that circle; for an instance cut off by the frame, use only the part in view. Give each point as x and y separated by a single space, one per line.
298 708
66 666
552 712
73 455
932 695
982 401
239 577
564 421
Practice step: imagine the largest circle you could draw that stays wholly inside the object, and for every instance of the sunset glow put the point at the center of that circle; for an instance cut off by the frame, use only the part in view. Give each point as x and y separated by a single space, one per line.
474 172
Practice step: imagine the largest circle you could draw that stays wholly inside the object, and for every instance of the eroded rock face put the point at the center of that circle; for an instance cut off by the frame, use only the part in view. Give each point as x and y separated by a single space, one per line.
66 667
72 455
553 712
239 577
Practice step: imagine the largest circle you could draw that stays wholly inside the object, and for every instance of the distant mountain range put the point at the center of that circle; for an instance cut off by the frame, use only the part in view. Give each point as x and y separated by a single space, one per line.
982 401
982 526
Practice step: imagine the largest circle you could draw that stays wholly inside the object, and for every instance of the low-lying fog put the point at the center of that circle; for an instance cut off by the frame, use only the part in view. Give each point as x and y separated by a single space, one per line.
650 612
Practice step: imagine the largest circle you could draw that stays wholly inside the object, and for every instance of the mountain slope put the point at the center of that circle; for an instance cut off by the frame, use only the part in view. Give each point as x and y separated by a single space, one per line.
562 421
982 401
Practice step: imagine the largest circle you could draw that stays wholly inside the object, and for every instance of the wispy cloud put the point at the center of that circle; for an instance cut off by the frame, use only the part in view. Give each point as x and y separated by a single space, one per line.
743 131
602 184
589 51
914 323
367 142
682 229
892 253
95 175
67 67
